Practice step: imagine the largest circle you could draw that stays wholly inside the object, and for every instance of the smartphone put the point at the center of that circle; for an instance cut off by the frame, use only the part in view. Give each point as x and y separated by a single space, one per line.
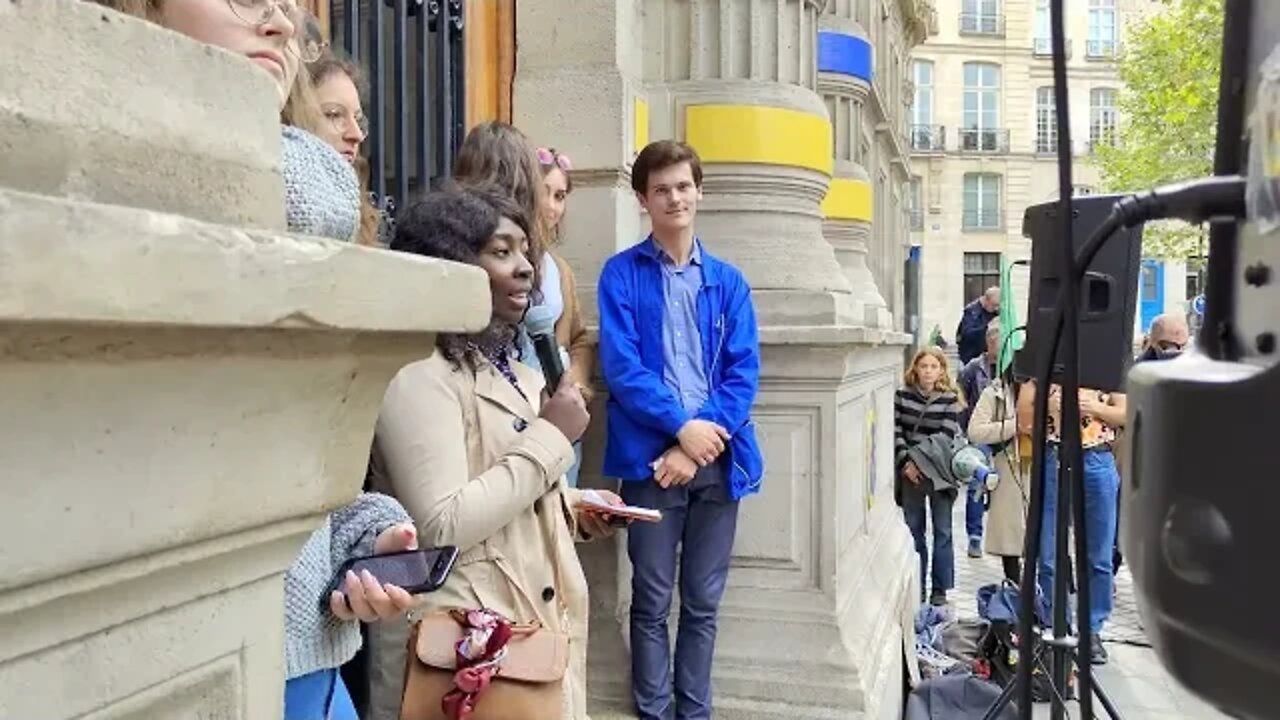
417 571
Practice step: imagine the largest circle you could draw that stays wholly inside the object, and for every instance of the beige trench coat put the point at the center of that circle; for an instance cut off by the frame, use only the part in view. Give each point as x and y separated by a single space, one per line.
994 420
476 467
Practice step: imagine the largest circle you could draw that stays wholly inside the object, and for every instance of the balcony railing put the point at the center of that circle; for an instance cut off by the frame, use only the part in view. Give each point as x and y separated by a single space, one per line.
981 219
1101 49
982 24
984 141
928 138
1042 47
1098 142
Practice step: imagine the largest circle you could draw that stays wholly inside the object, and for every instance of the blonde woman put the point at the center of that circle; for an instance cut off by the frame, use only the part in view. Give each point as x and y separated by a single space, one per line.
926 404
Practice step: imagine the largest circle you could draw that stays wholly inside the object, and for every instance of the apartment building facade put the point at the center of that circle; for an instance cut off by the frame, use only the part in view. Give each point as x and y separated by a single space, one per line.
984 143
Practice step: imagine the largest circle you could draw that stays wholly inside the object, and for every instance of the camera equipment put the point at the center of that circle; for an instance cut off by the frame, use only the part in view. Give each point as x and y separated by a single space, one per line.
1186 538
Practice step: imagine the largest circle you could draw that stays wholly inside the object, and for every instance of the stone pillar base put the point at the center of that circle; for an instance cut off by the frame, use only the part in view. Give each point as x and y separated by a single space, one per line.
818 614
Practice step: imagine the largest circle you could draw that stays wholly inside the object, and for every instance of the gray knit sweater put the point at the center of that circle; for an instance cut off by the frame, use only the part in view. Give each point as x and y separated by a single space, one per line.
322 199
322 196
313 638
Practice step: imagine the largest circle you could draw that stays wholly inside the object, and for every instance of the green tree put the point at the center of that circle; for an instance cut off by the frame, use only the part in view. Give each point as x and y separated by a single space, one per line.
1168 108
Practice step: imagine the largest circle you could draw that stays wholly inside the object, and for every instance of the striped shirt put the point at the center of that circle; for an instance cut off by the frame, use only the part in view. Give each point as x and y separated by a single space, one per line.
917 416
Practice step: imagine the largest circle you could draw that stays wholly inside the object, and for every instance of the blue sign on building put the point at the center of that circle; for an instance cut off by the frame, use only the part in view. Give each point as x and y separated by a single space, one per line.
1197 305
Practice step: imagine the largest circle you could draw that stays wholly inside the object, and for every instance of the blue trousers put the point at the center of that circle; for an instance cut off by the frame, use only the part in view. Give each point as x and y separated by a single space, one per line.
943 575
974 509
1101 493
699 520
320 695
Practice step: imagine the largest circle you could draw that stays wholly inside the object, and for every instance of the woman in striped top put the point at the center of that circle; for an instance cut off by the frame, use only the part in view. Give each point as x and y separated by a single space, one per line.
926 404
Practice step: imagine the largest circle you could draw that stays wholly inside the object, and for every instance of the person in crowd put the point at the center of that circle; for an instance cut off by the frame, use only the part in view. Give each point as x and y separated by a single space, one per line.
321 625
467 442
558 307
339 88
680 355
1101 415
975 318
994 423
926 404
1165 340
973 378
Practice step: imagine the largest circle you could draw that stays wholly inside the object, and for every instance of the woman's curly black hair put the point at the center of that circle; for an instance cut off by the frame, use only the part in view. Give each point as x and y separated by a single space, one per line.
454 223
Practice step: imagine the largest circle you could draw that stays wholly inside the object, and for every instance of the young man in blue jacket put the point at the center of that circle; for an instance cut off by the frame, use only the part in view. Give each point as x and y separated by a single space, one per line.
680 354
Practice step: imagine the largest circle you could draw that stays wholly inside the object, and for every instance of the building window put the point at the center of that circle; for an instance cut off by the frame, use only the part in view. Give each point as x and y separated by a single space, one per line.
915 204
981 271
981 17
924 136
981 201
1102 117
1043 37
1102 29
1046 121
981 131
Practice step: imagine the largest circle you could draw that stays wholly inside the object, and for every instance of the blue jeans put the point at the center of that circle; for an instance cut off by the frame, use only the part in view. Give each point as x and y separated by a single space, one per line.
320 695
943 575
701 520
1101 492
975 506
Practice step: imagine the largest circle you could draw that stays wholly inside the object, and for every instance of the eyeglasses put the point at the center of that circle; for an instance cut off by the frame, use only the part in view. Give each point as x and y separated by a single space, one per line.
342 118
305 43
549 156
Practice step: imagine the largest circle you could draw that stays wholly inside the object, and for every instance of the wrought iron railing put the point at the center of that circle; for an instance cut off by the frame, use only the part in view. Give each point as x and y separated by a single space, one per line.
984 140
412 54
1101 49
928 138
981 219
981 24
1043 47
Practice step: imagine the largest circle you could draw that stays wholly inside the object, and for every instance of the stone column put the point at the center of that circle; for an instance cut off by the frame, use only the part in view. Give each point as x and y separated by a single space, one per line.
844 79
187 389
578 89
736 79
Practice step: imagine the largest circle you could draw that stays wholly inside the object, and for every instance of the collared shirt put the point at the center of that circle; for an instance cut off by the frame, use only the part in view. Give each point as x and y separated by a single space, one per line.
682 369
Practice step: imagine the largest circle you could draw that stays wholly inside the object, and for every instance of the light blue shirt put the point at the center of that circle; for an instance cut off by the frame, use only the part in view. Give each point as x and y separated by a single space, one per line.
682 368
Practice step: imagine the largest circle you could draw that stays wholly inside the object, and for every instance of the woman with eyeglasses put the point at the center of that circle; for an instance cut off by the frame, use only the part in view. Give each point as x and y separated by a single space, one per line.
322 624
339 86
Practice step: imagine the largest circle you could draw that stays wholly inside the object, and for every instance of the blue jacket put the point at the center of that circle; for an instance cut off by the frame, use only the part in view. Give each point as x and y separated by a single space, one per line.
644 414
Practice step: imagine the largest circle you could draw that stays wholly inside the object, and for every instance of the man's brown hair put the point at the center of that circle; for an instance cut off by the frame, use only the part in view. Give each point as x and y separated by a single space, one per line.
661 155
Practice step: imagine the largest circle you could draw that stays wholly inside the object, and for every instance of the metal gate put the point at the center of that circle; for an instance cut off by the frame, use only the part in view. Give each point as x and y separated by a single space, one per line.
412 55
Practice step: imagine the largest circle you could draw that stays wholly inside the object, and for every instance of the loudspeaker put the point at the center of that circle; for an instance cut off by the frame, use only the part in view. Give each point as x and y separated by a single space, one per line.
1108 293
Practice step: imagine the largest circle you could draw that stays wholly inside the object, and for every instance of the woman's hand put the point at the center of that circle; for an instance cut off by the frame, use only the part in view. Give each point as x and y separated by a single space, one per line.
362 597
567 411
595 523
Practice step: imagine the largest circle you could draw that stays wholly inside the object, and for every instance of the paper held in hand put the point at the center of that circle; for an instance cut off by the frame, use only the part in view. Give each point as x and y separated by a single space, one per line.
592 500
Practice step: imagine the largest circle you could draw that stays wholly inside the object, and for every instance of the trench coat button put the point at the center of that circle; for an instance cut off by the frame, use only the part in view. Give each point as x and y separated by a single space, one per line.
548 594
519 424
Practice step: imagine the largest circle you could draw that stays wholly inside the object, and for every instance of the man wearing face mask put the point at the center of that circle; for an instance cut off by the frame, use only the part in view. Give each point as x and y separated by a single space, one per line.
1167 338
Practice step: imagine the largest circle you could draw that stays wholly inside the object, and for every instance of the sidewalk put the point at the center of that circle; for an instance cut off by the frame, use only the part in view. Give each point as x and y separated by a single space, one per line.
1133 679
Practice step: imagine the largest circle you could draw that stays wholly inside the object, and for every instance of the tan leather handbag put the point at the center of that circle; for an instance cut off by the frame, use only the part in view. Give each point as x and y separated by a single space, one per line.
525 681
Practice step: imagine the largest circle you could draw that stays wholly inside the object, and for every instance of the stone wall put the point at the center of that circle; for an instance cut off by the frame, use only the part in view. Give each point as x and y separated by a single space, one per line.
187 389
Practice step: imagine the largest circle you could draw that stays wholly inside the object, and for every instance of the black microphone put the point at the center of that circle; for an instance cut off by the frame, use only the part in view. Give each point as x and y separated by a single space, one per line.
549 358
